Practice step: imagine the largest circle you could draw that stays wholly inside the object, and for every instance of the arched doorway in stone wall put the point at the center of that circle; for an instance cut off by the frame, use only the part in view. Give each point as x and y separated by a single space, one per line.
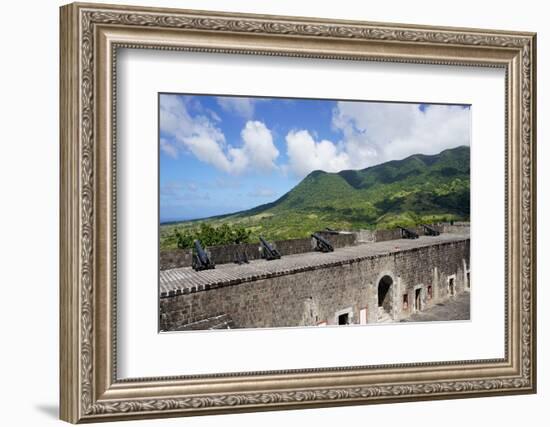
385 300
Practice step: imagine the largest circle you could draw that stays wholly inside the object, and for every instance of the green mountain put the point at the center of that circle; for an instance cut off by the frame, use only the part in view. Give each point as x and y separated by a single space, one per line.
417 189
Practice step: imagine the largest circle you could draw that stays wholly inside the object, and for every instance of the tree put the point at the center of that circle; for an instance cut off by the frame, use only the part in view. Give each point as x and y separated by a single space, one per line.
212 236
184 239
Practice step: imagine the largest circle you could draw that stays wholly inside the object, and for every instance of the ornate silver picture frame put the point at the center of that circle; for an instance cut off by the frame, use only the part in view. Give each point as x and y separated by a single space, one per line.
91 37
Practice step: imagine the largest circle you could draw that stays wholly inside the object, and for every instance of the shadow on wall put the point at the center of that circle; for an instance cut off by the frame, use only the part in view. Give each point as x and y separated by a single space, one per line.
51 410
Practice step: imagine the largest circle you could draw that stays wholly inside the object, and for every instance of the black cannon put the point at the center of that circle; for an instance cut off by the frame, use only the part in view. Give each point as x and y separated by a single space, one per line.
407 234
331 231
241 257
430 231
268 251
322 244
201 260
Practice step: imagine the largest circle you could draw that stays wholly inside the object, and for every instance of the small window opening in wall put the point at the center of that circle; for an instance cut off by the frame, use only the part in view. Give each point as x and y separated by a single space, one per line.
430 292
343 319
406 302
452 286
468 279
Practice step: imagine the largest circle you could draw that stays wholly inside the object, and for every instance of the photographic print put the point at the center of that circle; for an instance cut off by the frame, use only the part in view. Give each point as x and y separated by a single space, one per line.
318 194
281 212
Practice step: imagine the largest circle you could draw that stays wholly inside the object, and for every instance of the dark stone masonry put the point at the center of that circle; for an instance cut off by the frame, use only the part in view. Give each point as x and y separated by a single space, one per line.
359 283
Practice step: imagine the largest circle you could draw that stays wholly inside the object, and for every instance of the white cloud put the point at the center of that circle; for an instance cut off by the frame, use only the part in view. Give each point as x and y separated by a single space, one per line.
202 137
306 155
258 147
373 133
168 148
243 107
214 115
196 134
378 132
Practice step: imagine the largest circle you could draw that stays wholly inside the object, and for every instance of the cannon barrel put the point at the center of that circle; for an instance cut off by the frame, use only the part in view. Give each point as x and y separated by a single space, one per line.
265 244
201 261
203 257
407 234
269 252
430 231
241 257
322 244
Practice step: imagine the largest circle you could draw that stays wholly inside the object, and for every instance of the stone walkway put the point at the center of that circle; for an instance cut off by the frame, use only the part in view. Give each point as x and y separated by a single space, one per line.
185 280
457 308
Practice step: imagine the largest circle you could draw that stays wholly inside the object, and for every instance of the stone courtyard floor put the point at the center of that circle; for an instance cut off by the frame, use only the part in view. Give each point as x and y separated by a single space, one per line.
457 308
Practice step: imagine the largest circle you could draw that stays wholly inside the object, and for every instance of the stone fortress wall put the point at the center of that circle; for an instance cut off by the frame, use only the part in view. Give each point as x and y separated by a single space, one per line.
176 258
382 281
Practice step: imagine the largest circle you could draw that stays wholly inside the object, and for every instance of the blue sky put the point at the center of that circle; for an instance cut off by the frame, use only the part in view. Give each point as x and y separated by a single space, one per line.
224 154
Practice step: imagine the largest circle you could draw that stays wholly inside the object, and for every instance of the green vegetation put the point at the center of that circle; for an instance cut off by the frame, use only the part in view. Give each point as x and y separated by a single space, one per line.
404 192
210 236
